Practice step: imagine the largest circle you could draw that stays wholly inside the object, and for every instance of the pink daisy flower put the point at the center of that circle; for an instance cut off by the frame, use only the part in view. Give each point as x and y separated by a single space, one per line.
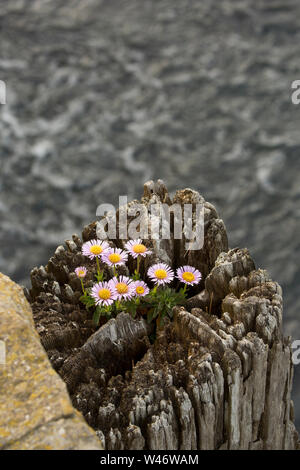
123 287
94 248
161 273
80 272
104 293
114 257
136 248
188 275
140 289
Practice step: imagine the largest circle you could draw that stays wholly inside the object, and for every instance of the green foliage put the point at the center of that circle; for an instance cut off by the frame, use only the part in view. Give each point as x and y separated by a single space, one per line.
100 276
131 306
87 300
101 312
161 302
157 305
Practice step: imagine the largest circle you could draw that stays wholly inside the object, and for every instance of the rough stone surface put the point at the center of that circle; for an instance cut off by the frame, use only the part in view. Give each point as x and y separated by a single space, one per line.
35 409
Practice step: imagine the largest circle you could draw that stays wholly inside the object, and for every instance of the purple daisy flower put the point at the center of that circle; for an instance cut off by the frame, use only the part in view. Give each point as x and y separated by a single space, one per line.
140 289
161 273
136 248
80 272
123 287
94 248
104 293
114 257
188 275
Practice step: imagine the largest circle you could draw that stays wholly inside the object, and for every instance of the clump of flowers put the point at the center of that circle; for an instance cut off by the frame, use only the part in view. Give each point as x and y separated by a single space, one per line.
108 297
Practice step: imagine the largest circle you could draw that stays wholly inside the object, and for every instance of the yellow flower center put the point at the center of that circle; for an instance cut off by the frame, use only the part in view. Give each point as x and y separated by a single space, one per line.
139 248
161 274
140 290
122 288
188 276
114 257
104 294
96 249
81 273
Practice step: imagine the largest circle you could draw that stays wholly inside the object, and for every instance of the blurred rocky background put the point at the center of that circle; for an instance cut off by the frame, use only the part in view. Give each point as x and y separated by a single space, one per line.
103 95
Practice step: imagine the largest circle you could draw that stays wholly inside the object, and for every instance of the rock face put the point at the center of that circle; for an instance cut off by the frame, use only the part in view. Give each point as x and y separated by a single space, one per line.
218 376
35 409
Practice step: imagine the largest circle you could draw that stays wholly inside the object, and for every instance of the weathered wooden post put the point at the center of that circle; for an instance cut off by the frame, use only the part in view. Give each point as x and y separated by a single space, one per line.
218 376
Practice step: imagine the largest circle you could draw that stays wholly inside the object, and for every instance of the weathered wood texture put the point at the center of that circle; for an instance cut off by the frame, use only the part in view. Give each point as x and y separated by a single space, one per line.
219 376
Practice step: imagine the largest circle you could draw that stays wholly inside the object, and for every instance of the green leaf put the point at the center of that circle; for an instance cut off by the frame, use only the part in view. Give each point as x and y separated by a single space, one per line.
136 276
96 316
99 277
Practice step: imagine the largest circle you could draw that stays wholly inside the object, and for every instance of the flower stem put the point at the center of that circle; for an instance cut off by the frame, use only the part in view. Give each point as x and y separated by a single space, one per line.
82 286
98 266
